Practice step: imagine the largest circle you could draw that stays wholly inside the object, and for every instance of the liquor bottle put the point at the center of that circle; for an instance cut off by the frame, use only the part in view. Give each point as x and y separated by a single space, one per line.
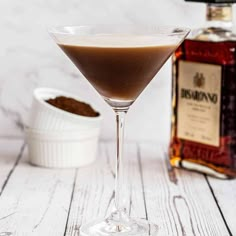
203 133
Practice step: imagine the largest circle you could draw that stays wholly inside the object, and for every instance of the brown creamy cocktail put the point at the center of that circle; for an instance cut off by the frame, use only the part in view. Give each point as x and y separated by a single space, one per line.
118 72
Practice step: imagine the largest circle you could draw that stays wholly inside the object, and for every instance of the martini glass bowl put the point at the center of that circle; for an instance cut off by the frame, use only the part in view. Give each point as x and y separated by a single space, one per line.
119 61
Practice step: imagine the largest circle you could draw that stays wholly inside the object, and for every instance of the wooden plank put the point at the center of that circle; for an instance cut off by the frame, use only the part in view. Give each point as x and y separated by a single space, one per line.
133 176
224 192
10 154
36 200
94 196
180 202
93 193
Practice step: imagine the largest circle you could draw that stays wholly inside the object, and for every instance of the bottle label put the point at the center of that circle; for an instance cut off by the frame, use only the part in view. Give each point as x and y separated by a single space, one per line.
199 98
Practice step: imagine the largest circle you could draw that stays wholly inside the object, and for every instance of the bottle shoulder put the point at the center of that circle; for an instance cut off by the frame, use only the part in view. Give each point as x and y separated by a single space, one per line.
213 34
216 52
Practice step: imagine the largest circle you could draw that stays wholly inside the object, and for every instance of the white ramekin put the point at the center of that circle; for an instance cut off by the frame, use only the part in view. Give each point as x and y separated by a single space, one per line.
46 117
62 149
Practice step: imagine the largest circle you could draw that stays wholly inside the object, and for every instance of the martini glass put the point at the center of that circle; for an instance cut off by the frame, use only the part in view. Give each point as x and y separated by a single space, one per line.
119 61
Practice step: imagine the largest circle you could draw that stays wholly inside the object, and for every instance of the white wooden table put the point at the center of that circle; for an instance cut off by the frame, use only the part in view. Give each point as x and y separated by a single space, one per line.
37 201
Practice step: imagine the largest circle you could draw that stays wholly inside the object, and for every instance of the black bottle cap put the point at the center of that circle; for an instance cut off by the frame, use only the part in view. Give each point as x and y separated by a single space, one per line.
213 1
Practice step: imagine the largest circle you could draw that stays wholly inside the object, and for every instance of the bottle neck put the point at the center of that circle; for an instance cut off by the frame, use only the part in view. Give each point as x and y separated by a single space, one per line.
219 15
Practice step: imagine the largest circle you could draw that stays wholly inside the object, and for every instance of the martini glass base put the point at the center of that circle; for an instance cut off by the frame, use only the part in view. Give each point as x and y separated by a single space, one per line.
119 224
119 105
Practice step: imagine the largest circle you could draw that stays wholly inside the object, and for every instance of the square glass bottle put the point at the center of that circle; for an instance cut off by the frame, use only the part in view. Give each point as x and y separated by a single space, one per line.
203 133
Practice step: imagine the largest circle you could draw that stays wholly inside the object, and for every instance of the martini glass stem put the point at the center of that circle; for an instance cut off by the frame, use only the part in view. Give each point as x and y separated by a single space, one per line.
119 179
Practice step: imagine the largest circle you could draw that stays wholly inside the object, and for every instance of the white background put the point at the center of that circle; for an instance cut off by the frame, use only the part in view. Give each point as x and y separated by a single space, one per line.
30 59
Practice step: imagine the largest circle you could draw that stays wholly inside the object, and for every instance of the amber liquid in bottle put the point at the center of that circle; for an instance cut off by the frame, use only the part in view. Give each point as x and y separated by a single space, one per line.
219 158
